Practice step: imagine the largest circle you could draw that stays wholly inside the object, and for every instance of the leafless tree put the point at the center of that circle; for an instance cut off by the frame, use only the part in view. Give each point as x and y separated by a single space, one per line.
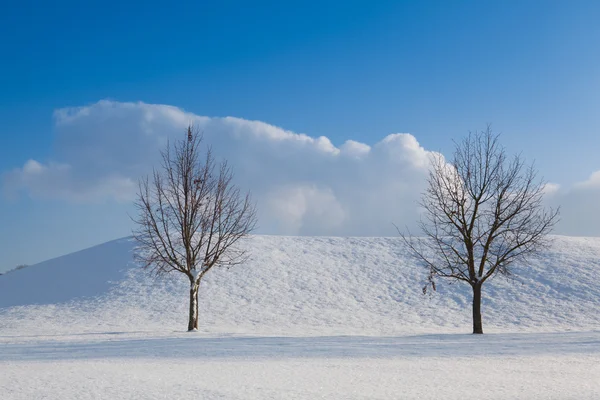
482 212
191 216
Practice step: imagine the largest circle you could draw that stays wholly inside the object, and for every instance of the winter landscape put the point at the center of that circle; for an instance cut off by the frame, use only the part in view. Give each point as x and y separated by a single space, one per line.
325 199
311 317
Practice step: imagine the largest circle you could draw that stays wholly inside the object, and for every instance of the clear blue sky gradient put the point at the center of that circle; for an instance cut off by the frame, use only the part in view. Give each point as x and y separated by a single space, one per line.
344 69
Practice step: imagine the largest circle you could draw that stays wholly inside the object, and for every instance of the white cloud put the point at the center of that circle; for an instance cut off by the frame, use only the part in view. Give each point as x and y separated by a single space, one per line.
579 207
302 184
59 181
550 189
593 182
355 149
304 209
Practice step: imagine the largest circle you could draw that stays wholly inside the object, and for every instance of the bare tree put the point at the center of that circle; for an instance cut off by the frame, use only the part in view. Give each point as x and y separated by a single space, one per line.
483 212
191 216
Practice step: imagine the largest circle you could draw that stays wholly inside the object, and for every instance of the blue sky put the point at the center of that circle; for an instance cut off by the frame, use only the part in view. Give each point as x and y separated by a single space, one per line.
356 70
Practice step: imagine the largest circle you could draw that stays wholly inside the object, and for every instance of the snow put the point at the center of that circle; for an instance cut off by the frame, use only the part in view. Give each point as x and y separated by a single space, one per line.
183 366
84 273
195 273
307 317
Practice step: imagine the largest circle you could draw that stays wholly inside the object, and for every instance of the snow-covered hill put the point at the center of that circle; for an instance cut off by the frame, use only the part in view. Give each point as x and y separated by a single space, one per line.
301 286
88 272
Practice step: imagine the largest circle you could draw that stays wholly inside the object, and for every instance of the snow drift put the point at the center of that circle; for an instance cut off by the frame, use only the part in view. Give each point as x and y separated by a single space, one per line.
301 286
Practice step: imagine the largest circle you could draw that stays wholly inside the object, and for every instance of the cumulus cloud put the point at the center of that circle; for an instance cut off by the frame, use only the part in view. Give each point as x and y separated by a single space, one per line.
304 208
59 181
302 184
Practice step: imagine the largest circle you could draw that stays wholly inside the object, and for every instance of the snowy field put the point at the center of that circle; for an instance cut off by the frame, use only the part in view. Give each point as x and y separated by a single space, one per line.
334 318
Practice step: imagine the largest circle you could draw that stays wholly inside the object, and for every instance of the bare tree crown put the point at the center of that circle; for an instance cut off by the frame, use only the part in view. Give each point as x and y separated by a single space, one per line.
482 212
191 216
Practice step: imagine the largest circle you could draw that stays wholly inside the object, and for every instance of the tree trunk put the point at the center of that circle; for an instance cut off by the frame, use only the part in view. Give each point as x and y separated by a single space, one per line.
193 320
477 326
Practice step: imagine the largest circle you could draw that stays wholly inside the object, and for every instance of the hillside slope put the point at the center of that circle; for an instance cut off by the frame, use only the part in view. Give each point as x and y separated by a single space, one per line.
86 273
302 286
